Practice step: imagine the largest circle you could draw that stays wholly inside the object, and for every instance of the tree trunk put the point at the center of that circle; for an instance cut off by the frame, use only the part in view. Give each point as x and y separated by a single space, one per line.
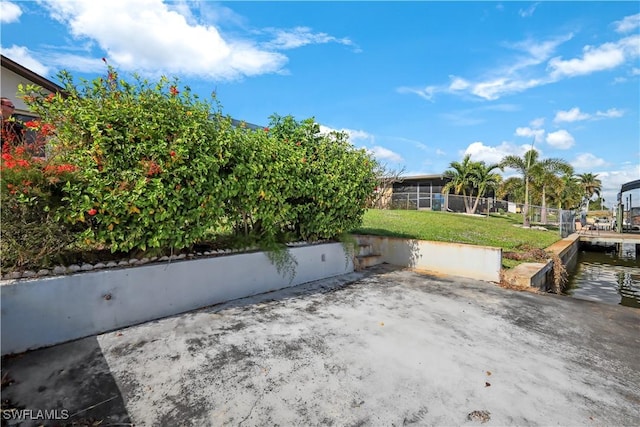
543 213
465 201
475 204
525 208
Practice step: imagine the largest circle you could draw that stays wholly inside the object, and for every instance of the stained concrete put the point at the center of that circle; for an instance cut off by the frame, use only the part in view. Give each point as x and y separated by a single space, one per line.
381 348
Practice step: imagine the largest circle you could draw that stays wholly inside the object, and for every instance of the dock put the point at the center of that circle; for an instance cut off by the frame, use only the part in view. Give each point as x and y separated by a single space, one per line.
609 237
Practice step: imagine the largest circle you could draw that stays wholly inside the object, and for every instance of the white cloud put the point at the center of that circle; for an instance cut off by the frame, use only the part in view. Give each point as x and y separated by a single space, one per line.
301 36
586 161
628 23
575 115
537 134
612 180
635 72
354 135
136 37
458 83
504 81
439 152
496 88
488 154
426 93
561 139
603 57
572 115
23 56
422 146
9 12
384 154
525 70
610 113
537 123
525 13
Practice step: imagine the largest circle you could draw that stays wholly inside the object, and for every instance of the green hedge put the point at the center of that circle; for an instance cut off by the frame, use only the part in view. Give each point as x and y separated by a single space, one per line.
149 166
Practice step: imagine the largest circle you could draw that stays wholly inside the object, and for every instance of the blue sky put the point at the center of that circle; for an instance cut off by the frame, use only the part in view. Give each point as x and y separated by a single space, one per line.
419 84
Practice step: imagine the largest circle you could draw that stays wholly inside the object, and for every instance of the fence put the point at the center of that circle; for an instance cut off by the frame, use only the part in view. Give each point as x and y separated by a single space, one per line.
455 203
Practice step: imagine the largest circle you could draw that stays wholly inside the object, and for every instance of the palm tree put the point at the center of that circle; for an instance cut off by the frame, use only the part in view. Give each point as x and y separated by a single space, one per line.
566 191
469 177
530 168
523 165
460 175
543 173
512 187
484 179
590 185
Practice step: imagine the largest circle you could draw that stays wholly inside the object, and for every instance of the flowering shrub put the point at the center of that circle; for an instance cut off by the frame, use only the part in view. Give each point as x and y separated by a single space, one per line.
31 197
148 159
134 165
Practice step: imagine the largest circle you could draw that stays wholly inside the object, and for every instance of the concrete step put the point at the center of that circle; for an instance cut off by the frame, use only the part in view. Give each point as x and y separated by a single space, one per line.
364 250
366 261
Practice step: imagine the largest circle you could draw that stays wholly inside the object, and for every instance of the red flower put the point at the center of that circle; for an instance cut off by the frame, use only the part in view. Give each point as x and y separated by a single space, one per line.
174 91
50 97
92 212
65 168
32 124
9 164
19 151
266 129
172 153
23 163
47 129
7 156
152 167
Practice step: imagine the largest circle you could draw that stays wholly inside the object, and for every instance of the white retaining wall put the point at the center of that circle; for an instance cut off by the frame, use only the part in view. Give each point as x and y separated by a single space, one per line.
471 261
46 311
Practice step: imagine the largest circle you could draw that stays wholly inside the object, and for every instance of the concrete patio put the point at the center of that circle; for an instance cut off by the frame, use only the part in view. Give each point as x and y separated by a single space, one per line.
382 347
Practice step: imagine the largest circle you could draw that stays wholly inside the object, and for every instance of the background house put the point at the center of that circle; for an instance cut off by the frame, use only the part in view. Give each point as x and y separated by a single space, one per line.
14 74
425 192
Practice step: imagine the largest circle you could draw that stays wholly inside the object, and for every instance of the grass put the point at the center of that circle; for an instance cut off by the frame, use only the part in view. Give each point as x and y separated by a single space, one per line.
495 230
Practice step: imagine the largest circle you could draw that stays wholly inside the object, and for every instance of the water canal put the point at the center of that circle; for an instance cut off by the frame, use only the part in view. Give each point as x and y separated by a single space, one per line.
608 276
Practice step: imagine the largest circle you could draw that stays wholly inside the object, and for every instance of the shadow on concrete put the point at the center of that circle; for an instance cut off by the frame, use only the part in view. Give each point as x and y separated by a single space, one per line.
74 380
70 380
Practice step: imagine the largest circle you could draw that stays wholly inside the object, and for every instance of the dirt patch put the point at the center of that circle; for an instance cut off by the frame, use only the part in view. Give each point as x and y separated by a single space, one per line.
526 252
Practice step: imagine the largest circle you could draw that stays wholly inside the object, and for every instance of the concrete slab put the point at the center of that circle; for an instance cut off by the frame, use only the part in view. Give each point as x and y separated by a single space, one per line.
392 347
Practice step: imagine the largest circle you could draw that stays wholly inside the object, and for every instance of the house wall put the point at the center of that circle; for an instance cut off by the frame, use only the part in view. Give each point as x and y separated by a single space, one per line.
9 85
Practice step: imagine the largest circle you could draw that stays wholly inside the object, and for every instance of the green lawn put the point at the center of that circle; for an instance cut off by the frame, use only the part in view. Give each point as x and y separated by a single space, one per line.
496 230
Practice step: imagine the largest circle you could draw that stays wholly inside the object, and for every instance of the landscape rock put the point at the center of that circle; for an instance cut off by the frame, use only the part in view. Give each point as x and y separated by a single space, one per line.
59 269
86 267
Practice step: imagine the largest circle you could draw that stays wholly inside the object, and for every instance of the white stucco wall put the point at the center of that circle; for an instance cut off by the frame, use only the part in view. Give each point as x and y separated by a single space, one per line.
9 82
475 262
47 311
